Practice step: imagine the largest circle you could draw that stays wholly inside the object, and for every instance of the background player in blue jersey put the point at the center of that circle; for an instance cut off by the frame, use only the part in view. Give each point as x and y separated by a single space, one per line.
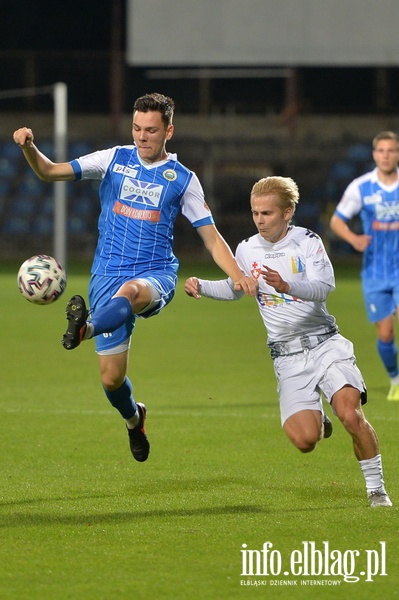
375 197
134 272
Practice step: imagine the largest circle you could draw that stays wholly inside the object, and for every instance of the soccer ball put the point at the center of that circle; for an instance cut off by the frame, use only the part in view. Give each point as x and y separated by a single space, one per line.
41 279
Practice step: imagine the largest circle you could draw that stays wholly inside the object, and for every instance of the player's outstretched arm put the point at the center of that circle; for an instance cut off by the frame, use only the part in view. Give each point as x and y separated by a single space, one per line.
222 289
224 258
45 169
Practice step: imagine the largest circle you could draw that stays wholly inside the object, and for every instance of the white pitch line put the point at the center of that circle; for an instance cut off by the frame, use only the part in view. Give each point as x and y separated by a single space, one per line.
155 412
214 412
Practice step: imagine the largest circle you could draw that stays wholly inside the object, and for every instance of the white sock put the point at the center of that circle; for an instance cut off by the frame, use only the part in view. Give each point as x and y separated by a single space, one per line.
133 421
395 380
88 334
372 471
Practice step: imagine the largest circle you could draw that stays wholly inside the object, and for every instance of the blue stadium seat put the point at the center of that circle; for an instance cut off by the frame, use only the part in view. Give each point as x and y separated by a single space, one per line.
15 225
5 188
359 152
42 225
46 206
10 150
26 206
343 169
47 147
30 185
83 206
77 225
79 148
8 167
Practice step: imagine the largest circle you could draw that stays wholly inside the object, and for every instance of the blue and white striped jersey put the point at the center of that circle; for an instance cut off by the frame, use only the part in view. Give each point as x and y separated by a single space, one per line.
139 206
378 208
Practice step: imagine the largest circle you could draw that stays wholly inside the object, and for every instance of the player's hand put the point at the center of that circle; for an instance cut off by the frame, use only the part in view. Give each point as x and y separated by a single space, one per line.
247 285
361 242
191 287
274 279
23 137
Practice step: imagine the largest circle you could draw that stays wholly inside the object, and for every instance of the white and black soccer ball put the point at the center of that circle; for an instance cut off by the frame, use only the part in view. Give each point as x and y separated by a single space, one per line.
41 279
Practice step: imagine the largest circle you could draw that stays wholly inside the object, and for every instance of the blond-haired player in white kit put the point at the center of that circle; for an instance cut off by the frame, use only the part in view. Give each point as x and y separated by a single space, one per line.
310 356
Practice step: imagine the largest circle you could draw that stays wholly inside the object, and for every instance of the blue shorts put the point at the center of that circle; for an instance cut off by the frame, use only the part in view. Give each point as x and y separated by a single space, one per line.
381 298
102 289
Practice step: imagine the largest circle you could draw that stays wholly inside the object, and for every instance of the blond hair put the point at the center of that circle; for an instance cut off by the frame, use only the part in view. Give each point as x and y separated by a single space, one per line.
384 135
284 187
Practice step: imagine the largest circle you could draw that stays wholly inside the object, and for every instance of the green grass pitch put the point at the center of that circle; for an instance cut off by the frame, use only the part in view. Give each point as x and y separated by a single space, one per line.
81 520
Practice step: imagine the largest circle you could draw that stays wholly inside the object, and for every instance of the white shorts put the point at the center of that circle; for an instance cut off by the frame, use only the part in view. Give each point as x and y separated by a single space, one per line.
302 378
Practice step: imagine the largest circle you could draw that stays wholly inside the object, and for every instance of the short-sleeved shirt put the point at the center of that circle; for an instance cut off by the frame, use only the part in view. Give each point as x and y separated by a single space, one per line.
139 206
378 208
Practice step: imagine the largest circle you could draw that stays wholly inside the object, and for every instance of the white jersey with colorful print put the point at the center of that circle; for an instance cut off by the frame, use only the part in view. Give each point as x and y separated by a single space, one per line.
139 206
378 207
301 260
299 257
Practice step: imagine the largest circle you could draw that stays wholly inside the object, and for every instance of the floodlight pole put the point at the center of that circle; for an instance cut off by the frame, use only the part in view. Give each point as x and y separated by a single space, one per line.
60 137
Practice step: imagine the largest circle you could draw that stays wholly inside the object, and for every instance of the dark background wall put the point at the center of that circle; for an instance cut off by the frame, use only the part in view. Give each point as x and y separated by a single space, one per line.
234 124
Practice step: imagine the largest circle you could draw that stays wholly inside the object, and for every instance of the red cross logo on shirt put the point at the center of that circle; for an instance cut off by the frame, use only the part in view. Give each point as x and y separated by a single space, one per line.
255 270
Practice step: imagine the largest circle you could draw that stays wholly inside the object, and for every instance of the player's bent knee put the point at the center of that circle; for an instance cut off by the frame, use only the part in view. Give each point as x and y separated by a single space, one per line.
306 447
111 383
112 378
130 290
303 443
304 434
140 293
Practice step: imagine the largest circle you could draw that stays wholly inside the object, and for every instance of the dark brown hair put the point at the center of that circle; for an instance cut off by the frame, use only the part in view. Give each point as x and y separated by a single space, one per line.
156 103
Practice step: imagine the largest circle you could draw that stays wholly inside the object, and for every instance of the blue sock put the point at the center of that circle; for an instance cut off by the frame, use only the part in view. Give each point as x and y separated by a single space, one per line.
389 354
122 399
113 315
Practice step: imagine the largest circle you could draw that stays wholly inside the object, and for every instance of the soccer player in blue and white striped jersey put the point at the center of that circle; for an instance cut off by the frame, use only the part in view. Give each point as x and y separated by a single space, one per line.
143 189
375 198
